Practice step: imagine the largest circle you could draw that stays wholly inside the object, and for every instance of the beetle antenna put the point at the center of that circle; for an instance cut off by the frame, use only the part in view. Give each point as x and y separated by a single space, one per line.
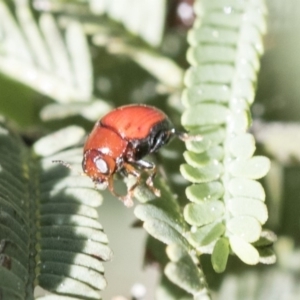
67 165
64 163
187 137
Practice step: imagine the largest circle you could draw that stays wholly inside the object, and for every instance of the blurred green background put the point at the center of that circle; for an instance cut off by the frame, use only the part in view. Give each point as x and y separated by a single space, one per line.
122 81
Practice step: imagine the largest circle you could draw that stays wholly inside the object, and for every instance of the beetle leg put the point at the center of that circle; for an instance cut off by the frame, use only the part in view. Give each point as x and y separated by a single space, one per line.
130 169
150 168
127 199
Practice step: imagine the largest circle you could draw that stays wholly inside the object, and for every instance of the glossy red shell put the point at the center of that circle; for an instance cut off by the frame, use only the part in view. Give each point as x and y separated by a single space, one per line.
106 140
124 136
133 121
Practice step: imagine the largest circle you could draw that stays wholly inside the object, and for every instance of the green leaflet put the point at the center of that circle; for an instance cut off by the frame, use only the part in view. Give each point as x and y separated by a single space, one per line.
185 274
183 271
206 234
200 160
199 175
242 146
163 220
49 232
212 136
220 74
205 92
245 251
241 187
245 227
64 285
227 209
131 13
204 191
204 114
170 291
220 255
248 207
203 213
253 168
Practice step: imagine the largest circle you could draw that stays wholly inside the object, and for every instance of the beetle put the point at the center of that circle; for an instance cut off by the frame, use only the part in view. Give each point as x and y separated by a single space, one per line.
121 139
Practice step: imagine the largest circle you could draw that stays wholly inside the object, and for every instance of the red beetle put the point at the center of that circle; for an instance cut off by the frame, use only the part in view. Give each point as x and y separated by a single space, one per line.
120 140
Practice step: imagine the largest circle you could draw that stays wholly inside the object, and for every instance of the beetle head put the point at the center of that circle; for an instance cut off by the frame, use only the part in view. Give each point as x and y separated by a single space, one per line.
98 166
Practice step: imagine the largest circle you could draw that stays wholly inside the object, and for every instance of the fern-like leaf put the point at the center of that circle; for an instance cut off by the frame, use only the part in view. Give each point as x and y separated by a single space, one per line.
145 19
163 220
227 210
36 54
143 22
50 235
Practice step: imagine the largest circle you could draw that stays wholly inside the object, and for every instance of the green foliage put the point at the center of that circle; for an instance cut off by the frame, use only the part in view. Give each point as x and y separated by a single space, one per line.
163 220
50 235
225 46
76 53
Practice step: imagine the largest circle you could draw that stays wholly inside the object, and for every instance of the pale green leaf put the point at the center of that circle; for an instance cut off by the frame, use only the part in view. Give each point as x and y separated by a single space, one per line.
78 48
96 249
175 252
185 274
204 191
63 231
211 54
233 5
78 259
59 54
247 228
218 74
242 146
267 238
238 122
80 273
234 20
59 140
15 43
248 207
220 255
246 51
206 234
253 168
92 110
203 213
167 290
242 187
36 55
146 19
221 19
32 34
71 189
68 286
245 251
242 91
246 70
54 238
69 208
205 114
267 256
165 233
202 159
212 136
204 93
156 210
199 175
212 35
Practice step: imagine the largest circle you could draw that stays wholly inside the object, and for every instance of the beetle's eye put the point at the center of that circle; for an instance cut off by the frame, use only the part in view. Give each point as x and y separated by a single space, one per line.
101 166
